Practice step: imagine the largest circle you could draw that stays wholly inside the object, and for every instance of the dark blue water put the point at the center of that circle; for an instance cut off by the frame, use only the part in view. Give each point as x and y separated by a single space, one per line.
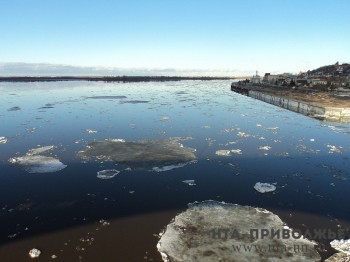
311 178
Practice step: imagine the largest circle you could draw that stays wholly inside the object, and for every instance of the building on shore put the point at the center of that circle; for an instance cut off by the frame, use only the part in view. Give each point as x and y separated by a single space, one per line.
255 79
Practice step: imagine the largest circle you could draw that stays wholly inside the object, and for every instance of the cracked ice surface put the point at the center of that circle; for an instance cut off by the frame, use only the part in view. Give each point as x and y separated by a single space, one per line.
189 236
162 154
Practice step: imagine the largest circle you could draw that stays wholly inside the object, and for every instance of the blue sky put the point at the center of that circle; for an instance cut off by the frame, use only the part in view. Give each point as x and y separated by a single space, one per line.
219 36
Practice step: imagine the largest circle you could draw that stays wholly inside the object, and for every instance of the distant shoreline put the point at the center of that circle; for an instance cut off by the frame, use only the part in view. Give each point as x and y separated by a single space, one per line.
109 78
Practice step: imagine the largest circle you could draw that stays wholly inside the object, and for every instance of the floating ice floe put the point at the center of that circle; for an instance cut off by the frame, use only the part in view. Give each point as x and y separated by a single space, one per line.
264 187
107 174
33 162
90 131
208 231
189 182
33 253
120 140
146 154
3 140
39 150
341 245
266 148
165 119
334 149
242 134
236 151
224 152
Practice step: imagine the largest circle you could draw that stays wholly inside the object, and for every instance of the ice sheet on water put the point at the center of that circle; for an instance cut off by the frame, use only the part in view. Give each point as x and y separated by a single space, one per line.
163 154
33 162
107 174
192 235
38 163
264 187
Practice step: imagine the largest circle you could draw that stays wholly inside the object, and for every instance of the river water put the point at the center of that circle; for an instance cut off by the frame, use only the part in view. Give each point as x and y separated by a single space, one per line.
74 214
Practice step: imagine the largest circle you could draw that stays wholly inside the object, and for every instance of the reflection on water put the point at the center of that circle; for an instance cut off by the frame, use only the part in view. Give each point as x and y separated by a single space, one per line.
239 141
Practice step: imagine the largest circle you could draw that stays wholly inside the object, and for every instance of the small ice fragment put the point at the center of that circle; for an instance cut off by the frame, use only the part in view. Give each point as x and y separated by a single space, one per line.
242 134
259 125
107 174
33 253
104 222
266 148
39 150
341 245
131 192
334 149
118 140
90 131
3 140
228 152
264 187
312 140
223 152
236 151
189 182
165 119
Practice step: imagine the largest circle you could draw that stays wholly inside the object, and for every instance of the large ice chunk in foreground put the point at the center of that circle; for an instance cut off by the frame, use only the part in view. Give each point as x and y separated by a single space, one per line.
342 245
198 234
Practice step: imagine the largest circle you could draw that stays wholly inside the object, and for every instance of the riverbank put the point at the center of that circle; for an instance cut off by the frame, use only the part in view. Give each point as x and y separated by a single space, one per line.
108 78
330 106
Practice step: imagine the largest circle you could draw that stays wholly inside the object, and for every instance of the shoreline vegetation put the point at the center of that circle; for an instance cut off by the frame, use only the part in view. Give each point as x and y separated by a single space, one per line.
109 78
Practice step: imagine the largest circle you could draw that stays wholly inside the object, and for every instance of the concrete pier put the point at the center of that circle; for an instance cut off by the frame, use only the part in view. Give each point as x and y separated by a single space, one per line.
332 114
